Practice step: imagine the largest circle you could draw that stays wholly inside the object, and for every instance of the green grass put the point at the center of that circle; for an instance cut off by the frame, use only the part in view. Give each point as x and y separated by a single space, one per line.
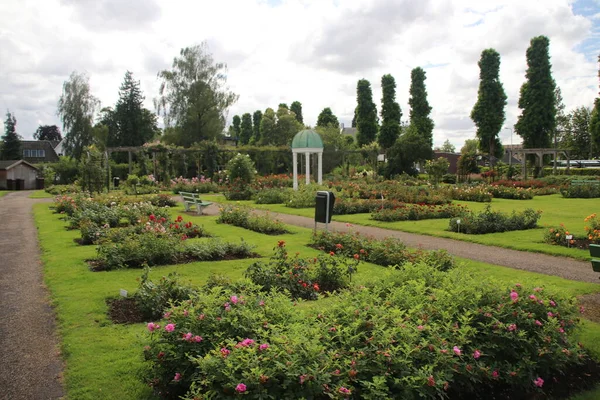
40 194
4 192
555 210
103 360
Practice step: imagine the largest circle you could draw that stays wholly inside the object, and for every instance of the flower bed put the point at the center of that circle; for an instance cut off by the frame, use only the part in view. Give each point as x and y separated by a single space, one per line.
242 216
303 278
586 191
478 193
557 235
415 212
414 333
513 193
489 221
193 185
387 252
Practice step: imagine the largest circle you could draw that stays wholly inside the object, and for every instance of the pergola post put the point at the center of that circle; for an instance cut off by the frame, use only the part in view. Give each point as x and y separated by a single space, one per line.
307 156
320 168
295 163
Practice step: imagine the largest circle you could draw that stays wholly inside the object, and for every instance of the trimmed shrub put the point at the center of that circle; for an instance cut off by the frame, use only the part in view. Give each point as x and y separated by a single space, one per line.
586 191
415 212
489 221
241 216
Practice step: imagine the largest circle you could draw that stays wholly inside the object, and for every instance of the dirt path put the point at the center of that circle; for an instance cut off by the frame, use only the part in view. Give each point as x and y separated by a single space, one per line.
30 366
545 264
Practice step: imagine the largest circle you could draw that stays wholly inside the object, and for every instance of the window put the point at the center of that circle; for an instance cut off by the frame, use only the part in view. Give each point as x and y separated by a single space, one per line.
25 153
41 153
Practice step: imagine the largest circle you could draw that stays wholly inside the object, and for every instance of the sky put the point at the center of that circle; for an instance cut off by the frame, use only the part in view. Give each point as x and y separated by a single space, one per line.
312 51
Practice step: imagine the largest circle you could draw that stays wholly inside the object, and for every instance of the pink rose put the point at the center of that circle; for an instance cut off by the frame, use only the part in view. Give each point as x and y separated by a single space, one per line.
456 350
240 388
263 346
170 327
539 382
476 354
177 377
234 299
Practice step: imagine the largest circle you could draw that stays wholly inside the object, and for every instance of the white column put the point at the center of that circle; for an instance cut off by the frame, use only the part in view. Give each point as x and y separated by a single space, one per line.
307 155
295 162
320 168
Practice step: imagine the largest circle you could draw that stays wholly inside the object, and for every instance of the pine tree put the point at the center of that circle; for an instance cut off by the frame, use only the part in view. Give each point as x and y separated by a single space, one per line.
256 119
296 108
488 112
537 99
366 114
390 113
246 129
419 106
11 141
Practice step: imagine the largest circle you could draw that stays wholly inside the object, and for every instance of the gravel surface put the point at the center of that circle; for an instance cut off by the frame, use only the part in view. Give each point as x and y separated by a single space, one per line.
564 267
30 366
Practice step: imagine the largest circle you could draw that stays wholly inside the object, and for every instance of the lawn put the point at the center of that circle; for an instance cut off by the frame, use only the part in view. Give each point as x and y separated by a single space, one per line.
40 194
4 192
103 360
556 210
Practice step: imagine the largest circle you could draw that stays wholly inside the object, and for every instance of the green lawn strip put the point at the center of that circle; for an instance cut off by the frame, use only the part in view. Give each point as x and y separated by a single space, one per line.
103 360
556 210
40 194
5 192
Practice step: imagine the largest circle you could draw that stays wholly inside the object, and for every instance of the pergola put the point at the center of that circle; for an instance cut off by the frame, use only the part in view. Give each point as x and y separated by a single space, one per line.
539 153
307 142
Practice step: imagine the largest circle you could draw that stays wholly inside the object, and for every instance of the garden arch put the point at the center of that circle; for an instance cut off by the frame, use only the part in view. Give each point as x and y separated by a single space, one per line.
307 142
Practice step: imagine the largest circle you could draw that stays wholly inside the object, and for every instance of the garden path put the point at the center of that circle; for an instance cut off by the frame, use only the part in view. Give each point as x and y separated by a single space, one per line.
30 366
564 267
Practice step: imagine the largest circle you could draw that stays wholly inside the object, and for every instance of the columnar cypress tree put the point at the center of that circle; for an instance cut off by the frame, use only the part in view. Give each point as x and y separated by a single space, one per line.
488 112
246 129
256 118
11 146
390 113
366 114
595 120
296 108
537 100
419 106
236 126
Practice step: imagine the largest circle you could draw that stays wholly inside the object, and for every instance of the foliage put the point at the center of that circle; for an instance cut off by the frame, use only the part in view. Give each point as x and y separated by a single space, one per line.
10 148
488 112
366 114
246 129
194 97
595 124
507 192
302 278
241 168
76 109
390 113
448 147
479 193
489 221
556 235
415 212
47 132
154 298
410 148
576 133
296 108
327 118
592 228
242 216
537 121
236 124
304 197
194 185
273 181
256 120
419 106
92 170
386 252
271 196
436 169
583 191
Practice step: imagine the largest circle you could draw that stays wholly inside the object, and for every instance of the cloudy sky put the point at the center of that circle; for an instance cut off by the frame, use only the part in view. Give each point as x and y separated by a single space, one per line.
313 51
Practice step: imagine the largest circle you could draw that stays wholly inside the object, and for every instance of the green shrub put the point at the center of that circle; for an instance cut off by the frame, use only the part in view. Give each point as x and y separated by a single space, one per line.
415 212
242 216
586 191
302 278
556 235
194 185
479 193
489 221
413 333
92 232
386 252
161 200
62 189
271 196
514 193
304 197
449 178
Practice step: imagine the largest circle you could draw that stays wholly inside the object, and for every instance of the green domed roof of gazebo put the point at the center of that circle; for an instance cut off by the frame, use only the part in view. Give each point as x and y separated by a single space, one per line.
307 139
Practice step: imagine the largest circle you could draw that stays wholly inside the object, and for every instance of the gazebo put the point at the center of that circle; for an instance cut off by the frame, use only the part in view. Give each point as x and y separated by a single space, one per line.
307 142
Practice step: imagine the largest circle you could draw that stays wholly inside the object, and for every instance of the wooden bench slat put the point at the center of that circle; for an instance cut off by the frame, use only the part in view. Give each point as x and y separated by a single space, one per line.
193 199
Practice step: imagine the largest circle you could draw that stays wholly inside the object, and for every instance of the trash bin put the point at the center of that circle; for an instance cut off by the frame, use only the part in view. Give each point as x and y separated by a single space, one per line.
116 182
10 184
39 183
324 206
20 184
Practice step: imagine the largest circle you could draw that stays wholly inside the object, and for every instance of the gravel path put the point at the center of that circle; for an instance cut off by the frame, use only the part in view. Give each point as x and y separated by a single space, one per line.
545 264
30 366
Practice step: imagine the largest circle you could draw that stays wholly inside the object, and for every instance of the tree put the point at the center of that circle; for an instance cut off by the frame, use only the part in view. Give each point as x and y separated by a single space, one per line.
268 127
488 112
287 127
410 148
246 129
595 119
470 146
194 97
76 109
327 118
419 106
366 113
577 137
132 124
448 147
437 168
47 132
390 113
11 140
537 100
283 105
296 108
256 120
237 126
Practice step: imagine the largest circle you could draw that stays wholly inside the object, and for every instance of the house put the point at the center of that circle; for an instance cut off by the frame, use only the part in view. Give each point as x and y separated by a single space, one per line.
348 131
39 151
451 157
19 175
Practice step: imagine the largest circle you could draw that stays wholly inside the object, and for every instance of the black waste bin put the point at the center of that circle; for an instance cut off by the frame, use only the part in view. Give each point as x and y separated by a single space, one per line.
10 184
39 183
116 182
324 206
20 184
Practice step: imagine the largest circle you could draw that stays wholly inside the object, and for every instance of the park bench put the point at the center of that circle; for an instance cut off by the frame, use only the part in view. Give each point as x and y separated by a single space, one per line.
595 253
193 200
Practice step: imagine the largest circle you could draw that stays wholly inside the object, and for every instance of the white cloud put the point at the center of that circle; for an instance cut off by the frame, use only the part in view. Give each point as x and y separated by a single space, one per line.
313 51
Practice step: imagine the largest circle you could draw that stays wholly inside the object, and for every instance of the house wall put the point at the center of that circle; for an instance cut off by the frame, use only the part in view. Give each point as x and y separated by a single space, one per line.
3 180
23 172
